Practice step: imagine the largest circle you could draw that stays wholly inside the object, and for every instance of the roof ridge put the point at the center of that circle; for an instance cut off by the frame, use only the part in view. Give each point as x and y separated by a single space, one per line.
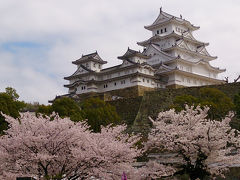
161 51
90 54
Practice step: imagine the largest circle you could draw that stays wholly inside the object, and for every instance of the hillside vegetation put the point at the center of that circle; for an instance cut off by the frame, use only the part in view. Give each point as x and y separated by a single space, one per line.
164 99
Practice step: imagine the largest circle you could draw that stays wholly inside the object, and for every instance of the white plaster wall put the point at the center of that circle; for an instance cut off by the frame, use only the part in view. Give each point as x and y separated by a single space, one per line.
147 82
156 57
166 43
129 82
79 89
183 66
138 60
119 85
186 56
168 28
95 66
190 81
172 79
179 28
201 69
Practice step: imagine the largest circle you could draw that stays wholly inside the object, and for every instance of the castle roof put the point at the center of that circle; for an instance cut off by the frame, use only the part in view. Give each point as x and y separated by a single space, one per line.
187 36
159 50
190 74
90 57
106 70
76 72
183 48
131 53
204 62
111 79
165 18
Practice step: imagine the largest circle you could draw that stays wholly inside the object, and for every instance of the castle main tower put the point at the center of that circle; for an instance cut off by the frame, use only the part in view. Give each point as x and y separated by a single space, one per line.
177 55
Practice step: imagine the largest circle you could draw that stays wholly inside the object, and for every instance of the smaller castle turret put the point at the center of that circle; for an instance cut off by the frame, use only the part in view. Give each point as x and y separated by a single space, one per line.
91 61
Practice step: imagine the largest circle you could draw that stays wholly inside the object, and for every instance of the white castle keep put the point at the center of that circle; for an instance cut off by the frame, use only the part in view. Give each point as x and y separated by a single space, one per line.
171 58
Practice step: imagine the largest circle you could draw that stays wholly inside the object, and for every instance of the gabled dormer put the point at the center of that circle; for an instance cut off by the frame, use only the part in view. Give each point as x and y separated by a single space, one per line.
133 57
91 62
166 23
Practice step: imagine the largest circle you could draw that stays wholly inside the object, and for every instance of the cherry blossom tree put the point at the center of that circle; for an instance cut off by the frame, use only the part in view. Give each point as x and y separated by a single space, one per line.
63 149
206 146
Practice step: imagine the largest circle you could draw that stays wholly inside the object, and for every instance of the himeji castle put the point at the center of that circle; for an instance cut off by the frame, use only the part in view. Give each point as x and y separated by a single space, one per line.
171 58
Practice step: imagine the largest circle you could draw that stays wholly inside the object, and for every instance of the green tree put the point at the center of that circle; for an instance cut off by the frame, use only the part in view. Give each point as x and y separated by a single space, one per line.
237 105
99 113
12 93
181 101
44 109
9 107
66 107
218 102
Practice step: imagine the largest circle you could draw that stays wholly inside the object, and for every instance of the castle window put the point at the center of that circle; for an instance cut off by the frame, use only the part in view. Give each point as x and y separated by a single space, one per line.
183 79
115 84
161 31
123 82
157 31
147 81
165 29
105 86
143 80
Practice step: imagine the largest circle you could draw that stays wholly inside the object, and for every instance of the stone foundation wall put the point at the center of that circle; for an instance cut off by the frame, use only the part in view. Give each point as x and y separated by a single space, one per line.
175 86
127 109
160 100
131 92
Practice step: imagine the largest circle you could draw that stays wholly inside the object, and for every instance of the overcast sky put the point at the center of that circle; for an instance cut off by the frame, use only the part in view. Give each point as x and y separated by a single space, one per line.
40 39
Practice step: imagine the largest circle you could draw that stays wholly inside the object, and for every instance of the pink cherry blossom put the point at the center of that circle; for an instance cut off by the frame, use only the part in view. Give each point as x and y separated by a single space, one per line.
41 147
190 132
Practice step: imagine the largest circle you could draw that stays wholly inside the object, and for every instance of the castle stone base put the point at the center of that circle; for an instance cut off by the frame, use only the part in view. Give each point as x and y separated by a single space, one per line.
130 92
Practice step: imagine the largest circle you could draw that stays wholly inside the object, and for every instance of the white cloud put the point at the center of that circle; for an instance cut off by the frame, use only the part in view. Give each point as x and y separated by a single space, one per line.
66 29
